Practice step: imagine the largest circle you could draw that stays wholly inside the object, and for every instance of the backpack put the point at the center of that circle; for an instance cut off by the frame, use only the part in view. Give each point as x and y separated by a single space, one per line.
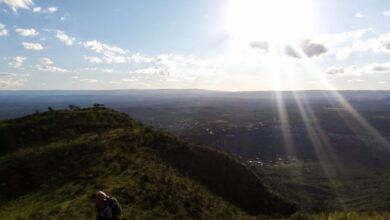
115 206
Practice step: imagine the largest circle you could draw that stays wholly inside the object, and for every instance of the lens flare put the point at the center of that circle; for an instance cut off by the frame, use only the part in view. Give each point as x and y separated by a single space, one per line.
276 20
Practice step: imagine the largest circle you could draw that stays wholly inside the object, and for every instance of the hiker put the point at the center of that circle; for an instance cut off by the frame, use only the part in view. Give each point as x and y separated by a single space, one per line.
107 208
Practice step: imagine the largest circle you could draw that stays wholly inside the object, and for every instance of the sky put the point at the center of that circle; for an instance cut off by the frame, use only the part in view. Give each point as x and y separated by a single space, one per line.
232 45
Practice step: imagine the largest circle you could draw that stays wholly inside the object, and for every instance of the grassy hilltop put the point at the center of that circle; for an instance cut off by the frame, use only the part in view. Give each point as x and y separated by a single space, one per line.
51 162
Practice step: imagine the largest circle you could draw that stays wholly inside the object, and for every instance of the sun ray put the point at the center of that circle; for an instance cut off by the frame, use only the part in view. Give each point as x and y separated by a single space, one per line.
248 24
284 120
317 136
266 20
344 103
319 142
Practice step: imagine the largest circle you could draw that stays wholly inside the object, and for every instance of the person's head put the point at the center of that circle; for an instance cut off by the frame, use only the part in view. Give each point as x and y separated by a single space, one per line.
99 198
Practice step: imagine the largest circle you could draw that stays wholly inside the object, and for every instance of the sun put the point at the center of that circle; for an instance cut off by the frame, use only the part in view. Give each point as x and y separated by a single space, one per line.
277 21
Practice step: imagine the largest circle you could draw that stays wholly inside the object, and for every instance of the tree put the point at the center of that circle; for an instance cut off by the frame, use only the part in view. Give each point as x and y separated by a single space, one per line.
73 107
98 105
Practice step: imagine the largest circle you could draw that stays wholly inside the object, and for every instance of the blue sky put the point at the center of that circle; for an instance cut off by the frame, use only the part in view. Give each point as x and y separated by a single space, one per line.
219 44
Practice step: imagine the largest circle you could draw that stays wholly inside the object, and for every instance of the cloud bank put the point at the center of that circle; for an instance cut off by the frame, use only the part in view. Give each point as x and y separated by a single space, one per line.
18 4
32 46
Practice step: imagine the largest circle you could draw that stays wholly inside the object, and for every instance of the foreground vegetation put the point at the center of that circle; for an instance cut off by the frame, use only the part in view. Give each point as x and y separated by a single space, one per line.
51 162
342 216
324 187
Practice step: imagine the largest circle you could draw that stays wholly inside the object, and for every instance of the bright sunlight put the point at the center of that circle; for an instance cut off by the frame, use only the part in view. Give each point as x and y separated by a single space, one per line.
224 109
276 21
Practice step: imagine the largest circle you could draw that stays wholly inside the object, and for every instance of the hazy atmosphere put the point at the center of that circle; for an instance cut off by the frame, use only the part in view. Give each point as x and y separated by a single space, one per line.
219 45
194 109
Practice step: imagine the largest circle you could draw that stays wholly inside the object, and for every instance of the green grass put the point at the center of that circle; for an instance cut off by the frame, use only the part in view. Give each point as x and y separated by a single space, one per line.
61 157
146 190
342 216
345 188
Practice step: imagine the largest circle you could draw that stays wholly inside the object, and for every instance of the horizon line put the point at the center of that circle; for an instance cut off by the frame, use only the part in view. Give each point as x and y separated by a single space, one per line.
192 89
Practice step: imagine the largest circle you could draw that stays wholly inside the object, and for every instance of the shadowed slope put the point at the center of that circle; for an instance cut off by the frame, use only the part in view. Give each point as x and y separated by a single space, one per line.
53 159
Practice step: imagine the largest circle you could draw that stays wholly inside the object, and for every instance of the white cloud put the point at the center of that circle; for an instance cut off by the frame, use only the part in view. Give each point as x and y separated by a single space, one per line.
63 37
343 52
49 10
110 57
373 68
99 47
335 43
176 61
151 70
358 15
357 46
4 83
263 46
386 13
17 62
89 80
37 9
383 82
309 48
95 69
317 45
93 59
115 49
111 54
94 45
46 65
20 60
378 68
350 70
172 67
32 46
31 32
380 44
179 67
138 58
46 61
127 80
52 9
53 69
355 80
16 4
63 18
106 70
332 39
115 82
124 81
3 30
10 80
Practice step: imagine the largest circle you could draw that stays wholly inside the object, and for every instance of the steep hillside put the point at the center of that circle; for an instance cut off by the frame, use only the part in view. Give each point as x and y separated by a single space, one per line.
51 162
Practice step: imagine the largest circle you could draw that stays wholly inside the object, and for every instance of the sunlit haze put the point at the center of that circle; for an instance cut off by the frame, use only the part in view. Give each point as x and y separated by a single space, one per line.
219 45
250 20
195 109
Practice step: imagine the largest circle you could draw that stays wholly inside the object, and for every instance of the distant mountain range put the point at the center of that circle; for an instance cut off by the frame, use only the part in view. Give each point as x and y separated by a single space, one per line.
19 103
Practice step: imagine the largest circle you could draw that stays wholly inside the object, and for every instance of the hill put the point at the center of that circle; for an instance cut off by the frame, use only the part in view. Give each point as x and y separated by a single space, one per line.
51 162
